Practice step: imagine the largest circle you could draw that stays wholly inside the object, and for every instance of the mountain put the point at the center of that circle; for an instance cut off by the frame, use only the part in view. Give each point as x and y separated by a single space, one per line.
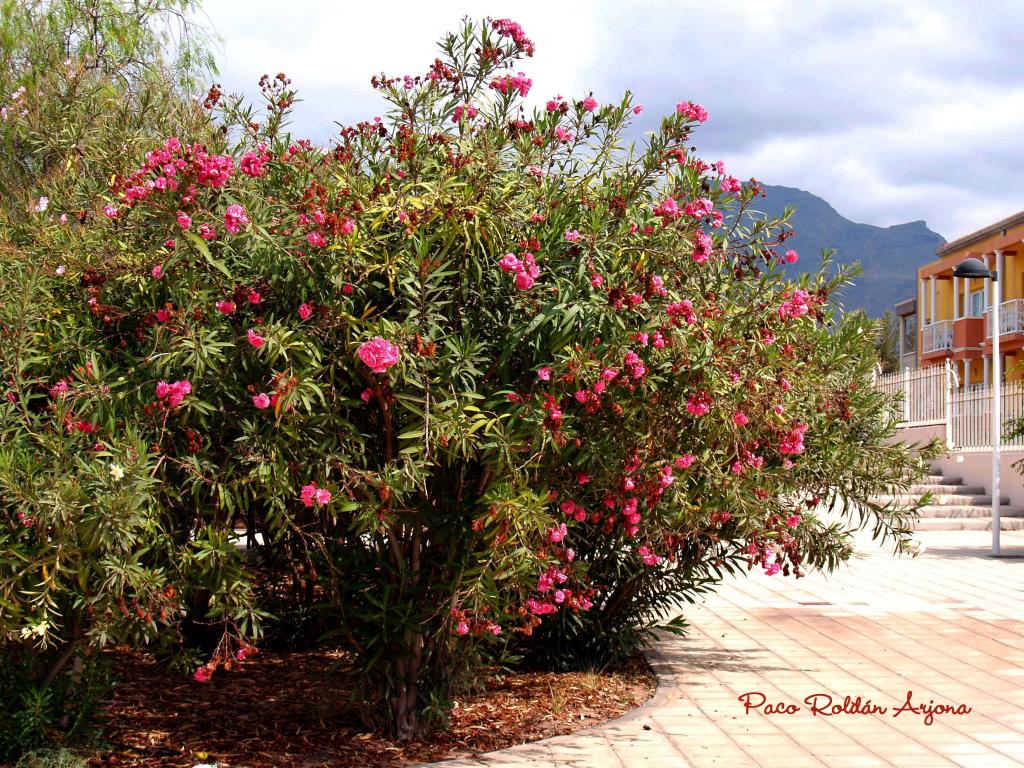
889 256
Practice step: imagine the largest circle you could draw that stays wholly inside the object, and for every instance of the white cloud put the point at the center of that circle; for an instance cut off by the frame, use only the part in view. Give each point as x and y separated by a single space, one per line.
892 112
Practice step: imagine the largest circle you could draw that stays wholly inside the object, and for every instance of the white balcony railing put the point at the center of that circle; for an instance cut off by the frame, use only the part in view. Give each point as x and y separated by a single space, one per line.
1011 318
937 336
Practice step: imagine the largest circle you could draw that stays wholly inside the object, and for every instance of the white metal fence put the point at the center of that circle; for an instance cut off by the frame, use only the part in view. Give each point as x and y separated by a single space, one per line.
924 392
971 415
933 396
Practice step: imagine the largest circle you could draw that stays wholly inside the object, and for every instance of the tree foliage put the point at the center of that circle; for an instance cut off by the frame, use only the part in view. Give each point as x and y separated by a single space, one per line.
473 379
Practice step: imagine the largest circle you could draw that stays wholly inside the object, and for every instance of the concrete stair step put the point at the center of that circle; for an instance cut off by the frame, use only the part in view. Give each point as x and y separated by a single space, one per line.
958 489
942 499
968 524
940 480
969 510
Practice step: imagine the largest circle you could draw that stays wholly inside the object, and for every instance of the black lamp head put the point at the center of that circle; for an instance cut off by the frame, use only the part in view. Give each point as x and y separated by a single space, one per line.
971 268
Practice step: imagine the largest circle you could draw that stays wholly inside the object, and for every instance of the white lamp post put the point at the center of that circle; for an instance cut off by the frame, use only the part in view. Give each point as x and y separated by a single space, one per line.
975 268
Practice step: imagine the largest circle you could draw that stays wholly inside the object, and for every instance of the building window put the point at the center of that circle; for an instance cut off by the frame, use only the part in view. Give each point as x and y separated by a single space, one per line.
976 303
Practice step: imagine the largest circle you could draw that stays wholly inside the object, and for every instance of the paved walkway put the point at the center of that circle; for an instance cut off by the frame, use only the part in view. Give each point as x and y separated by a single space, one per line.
948 626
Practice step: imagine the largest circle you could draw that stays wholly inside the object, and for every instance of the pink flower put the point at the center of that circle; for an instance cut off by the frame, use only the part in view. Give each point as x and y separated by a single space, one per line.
254 297
740 419
683 462
162 315
235 218
261 401
796 305
252 164
462 628
184 220
348 226
313 496
202 674
693 112
524 281
214 171
638 109
305 311
378 354
544 374
668 209
207 232
793 443
110 211
255 339
699 404
572 235
225 307
366 394
157 272
316 239
597 281
557 534
510 263
791 257
648 557
508 84
702 248
173 393
464 109
590 104
793 521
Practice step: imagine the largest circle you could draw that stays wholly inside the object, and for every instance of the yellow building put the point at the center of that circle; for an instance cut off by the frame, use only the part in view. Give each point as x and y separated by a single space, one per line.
952 313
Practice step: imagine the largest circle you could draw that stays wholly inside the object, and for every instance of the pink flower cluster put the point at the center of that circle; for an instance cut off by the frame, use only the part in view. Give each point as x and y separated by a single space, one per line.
173 393
254 163
378 354
313 496
635 365
511 29
681 310
510 83
525 269
702 247
464 110
793 443
235 218
17 104
796 305
691 111
647 556
699 404
668 209
213 170
255 340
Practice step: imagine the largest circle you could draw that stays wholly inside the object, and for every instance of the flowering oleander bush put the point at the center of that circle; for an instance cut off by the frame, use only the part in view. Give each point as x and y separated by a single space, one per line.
474 377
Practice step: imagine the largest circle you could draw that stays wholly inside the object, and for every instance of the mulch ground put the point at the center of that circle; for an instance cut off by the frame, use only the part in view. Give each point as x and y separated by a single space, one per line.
287 710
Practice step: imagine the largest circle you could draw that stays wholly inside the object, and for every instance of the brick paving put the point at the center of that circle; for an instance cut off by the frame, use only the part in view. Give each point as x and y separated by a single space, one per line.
947 625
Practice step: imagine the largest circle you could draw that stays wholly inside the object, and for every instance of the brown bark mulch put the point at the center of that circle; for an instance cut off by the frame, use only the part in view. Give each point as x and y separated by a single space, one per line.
287 710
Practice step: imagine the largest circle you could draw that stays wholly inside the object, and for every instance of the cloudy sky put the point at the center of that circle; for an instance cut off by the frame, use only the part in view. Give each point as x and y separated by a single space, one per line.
891 111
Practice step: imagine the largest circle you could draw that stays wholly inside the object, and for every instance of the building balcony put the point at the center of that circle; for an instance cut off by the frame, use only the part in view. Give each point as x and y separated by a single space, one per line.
937 338
1011 318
